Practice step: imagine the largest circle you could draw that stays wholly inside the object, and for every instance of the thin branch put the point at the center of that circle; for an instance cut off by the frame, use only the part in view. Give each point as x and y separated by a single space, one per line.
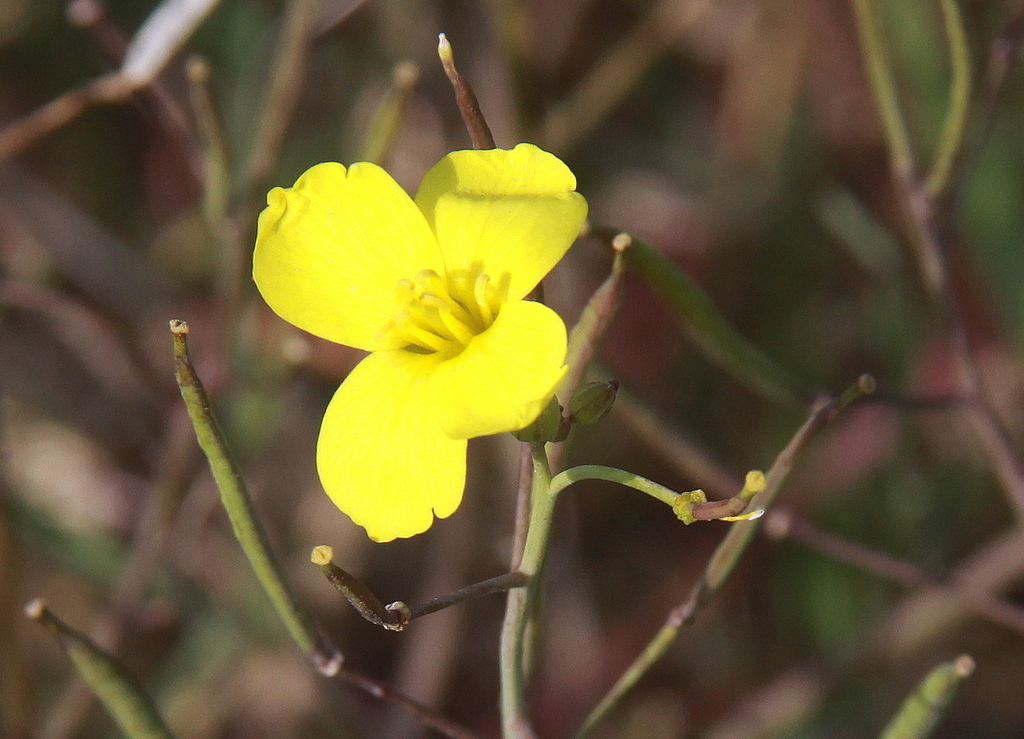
390 114
244 521
469 107
879 71
427 715
725 556
288 72
618 71
923 708
122 696
23 132
955 124
919 210
497 584
782 524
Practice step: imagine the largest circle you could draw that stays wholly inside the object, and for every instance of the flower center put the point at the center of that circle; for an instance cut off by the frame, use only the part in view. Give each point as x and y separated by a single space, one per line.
443 314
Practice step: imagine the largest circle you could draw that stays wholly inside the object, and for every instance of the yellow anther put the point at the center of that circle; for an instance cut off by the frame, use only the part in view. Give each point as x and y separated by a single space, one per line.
480 286
443 314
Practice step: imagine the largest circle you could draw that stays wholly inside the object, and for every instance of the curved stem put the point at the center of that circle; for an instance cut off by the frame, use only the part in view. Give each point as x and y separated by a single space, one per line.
242 514
512 658
955 124
599 472
883 86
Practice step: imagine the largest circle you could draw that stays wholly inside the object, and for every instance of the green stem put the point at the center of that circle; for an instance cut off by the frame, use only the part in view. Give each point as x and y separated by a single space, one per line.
589 330
883 87
128 704
390 114
242 514
959 99
707 327
728 551
924 707
282 91
611 474
512 657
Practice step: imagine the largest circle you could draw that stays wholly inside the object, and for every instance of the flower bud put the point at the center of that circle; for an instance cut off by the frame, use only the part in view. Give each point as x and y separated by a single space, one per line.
549 426
593 401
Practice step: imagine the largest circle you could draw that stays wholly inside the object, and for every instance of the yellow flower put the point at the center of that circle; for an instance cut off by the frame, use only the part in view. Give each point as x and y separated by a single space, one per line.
433 288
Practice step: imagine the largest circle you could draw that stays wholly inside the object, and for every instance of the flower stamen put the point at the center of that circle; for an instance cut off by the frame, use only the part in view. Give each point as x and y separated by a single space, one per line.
455 325
480 286
418 335
443 313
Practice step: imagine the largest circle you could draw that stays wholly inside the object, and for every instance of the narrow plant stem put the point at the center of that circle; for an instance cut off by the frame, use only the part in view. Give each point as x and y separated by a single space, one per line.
499 584
355 590
726 554
707 327
390 113
783 524
212 147
232 254
651 654
397 615
676 448
924 239
287 74
427 715
955 123
522 515
247 527
611 474
924 707
586 335
25 131
883 86
128 704
512 656
469 107
916 207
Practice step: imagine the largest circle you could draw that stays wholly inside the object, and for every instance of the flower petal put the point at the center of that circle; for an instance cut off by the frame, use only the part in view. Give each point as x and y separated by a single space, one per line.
382 457
331 249
505 377
514 211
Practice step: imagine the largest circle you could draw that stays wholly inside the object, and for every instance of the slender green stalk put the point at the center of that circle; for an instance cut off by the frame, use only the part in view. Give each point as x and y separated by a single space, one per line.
128 704
611 474
728 551
247 527
387 120
924 707
651 654
287 73
883 87
955 124
512 656
586 335
212 148
735 542
712 333
543 494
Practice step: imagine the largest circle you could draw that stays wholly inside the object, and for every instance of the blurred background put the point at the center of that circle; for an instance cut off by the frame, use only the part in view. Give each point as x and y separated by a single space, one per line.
738 138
